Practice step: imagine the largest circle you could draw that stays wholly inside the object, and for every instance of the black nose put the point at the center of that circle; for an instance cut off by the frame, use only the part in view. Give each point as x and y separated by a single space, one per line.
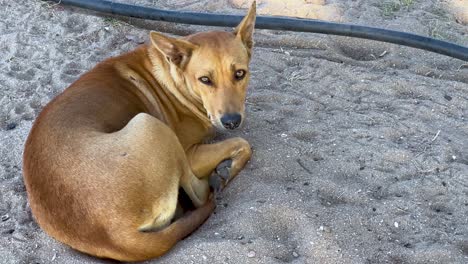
231 121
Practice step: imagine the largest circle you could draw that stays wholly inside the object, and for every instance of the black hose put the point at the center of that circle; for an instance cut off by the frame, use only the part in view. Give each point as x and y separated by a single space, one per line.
276 23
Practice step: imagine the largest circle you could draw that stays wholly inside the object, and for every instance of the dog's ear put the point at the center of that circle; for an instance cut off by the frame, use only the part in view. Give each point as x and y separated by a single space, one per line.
176 51
245 29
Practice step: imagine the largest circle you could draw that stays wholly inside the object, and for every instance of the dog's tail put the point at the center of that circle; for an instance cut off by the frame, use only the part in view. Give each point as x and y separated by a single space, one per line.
147 245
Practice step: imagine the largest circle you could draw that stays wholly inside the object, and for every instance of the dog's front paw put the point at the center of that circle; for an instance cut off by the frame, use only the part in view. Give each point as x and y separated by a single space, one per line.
221 176
223 170
216 183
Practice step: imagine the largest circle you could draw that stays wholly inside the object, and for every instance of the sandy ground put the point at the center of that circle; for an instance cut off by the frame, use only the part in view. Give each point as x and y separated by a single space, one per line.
360 148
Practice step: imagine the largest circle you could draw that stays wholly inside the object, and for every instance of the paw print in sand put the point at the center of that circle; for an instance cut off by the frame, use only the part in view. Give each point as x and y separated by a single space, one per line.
312 9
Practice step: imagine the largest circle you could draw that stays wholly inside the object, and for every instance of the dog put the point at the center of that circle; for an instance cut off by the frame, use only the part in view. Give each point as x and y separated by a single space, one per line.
106 159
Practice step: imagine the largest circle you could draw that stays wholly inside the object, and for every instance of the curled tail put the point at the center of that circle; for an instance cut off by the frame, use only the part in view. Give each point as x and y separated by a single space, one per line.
146 245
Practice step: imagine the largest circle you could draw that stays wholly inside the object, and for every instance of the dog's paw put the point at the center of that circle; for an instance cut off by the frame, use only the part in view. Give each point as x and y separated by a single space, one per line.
223 170
216 183
221 176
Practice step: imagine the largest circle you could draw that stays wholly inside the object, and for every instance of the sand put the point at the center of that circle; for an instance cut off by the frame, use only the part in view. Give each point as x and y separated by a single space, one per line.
360 147
311 9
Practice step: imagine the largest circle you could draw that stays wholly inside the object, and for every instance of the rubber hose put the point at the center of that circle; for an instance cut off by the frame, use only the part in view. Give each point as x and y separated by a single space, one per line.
276 23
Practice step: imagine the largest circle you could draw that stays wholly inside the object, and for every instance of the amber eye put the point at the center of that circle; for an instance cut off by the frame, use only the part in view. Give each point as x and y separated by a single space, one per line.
240 74
205 80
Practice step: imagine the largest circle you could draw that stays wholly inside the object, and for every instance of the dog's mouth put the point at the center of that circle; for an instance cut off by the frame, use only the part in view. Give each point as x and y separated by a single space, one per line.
216 122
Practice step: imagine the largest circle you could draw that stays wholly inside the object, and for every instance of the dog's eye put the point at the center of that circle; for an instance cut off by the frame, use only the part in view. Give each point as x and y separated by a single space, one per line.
205 80
240 74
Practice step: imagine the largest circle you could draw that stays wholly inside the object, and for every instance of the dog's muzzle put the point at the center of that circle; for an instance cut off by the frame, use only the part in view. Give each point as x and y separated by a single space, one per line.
231 121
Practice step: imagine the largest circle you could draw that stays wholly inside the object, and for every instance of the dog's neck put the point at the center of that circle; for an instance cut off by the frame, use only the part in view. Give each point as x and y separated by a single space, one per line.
183 99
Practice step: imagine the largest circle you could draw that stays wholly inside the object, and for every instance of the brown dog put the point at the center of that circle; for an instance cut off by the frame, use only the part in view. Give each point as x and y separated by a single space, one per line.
105 159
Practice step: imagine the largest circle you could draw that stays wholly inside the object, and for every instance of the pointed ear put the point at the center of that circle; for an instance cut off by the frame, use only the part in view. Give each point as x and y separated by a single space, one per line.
245 29
176 51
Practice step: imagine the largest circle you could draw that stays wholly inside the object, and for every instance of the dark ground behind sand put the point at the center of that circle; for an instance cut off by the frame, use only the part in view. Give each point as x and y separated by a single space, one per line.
360 148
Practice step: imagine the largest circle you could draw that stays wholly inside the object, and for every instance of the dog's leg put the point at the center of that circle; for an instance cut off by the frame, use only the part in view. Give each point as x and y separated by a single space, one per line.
204 158
198 190
154 157
165 208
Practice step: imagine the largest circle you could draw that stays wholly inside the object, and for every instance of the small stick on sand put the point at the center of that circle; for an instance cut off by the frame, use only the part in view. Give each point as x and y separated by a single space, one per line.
303 166
435 137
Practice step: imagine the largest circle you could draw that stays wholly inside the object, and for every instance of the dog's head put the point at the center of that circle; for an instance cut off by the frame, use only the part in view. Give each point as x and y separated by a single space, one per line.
214 66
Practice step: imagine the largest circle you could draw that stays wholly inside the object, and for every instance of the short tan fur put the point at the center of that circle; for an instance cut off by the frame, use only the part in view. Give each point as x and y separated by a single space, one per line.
105 159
